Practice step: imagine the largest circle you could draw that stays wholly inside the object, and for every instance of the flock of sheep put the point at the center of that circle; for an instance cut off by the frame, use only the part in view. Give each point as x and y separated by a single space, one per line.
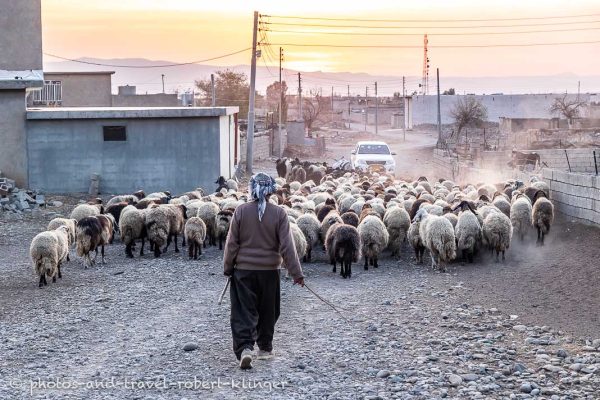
352 216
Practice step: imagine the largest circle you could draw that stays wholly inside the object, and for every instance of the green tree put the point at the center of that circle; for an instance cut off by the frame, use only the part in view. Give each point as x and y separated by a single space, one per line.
231 89
272 100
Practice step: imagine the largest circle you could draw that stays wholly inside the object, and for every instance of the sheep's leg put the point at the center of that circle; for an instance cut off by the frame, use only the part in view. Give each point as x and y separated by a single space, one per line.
142 249
349 269
183 244
366 263
543 235
432 260
309 254
334 266
503 258
176 248
128 252
68 258
497 255
103 262
220 242
375 262
54 279
169 239
199 248
41 283
59 273
191 249
156 250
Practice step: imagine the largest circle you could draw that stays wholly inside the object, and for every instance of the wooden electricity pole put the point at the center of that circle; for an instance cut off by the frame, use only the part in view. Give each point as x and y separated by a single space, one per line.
250 133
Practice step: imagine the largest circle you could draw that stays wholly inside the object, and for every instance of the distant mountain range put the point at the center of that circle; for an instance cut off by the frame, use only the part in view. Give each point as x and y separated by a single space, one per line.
148 80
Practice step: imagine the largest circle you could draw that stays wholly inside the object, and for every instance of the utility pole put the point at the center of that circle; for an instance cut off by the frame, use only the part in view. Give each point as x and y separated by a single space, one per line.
280 104
439 114
366 106
376 111
250 133
348 106
578 89
404 106
163 82
332 106
212 86
301 116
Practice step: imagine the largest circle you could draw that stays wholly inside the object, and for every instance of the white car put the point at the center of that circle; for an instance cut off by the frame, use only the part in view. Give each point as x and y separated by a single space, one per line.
368 153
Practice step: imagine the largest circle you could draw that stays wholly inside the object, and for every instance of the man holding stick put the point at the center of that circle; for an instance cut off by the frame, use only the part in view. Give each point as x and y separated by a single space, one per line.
259 240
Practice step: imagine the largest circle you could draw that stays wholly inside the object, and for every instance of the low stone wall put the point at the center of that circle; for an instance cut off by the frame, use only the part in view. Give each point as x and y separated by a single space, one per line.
574 194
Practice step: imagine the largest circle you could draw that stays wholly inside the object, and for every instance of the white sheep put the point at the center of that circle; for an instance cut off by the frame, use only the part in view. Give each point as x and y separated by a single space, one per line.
132 226
86 210
195 232
438 237
310 227
467 231
374 238
397 222
520 215
48 250
497 232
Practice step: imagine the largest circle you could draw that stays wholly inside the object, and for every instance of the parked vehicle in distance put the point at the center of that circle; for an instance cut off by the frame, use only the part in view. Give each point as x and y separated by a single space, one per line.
373 156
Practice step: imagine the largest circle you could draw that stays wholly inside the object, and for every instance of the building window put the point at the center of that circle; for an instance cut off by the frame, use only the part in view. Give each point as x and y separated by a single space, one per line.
114 133
49 95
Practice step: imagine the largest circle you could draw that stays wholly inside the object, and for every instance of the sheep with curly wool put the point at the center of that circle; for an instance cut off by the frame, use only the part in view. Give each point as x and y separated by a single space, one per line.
343 245
374 238
350 218
91 232
332 218
132 226
86 210
48 250
415 240
310 227
520 215
208 212
497 232
299 239
502 204
438 237
542 215
195 233
222 223
397 222
158 227
70 224
467 231
177 216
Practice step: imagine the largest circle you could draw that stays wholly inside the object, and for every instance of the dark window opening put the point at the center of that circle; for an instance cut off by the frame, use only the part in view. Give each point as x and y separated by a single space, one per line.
115 133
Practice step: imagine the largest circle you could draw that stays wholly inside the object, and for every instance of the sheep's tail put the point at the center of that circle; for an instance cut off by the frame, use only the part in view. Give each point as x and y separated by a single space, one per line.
84 244
126 234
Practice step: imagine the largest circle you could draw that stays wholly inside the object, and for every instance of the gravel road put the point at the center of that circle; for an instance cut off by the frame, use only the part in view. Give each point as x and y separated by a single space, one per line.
527 328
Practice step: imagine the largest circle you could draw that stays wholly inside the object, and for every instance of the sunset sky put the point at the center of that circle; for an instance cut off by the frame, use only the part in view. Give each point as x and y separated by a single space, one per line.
185 30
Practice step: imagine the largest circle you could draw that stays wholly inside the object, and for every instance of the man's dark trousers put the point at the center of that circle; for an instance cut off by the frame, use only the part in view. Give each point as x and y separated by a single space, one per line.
255 298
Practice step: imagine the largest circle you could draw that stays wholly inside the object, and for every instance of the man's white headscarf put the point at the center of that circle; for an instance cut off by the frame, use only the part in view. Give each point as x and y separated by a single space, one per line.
261 185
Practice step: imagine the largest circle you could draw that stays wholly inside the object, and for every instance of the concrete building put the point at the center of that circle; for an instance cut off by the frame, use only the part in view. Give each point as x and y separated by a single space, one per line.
127 97
57 148
424 108
174 149
20 71
74 89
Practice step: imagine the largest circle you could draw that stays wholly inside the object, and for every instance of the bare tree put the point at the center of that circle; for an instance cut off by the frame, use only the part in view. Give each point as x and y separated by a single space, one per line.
566 108
313 107
468 112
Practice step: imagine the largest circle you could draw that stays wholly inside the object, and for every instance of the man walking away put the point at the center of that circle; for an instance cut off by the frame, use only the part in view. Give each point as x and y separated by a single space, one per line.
259 240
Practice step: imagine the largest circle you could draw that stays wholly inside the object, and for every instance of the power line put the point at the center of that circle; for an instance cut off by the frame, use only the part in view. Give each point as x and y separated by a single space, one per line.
147 66
437 47
430 27
430 34
427 20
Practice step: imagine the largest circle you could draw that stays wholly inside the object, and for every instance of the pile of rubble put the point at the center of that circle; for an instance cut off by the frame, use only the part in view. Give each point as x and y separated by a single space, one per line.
18 200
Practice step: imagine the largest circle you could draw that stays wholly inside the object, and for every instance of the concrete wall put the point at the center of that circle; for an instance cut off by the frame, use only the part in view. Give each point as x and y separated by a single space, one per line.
424 108
176 154
21 35
84 90
573 194
13 137
581 160
261 146
145 100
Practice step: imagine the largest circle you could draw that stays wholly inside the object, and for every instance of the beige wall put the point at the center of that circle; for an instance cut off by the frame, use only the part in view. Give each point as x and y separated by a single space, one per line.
21 35
145 100
13 136
84 90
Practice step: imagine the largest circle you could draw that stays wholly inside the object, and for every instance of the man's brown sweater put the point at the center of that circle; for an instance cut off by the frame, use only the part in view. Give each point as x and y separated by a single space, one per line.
260 245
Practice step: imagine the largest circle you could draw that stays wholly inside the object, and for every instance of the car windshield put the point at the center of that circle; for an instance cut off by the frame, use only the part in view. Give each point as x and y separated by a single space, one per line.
373 149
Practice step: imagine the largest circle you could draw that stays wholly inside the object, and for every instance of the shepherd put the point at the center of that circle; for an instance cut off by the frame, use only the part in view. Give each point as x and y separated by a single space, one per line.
259 240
